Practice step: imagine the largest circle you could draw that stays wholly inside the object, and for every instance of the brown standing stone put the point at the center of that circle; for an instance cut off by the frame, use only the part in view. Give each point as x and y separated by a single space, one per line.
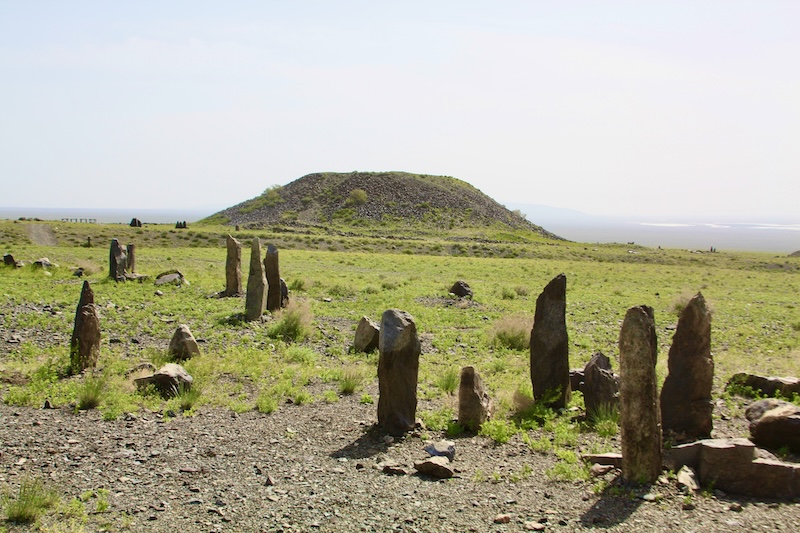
117 261
367 335
183 344
85 342
398 369
131 264
273 279
686 404
233 268
256 298
640 426
600 386
474 403
550 346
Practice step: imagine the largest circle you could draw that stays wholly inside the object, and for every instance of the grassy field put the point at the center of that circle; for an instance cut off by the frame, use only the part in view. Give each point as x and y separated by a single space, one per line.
335 280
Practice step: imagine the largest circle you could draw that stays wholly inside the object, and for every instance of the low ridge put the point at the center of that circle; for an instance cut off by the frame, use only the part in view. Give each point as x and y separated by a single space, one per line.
370 198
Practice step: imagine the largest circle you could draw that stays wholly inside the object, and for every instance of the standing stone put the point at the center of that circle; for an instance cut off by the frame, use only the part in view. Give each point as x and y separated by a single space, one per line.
84 347
284 293
600 386
117 261
8 260
273 279
550 346
686 404
233 268
398 369
131 249
639 416
256 299
183 344
461 289
367 335
474 403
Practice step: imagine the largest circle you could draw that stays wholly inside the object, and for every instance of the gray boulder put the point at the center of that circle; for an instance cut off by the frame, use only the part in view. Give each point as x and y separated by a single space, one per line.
367 335
169 380
183 345
775 424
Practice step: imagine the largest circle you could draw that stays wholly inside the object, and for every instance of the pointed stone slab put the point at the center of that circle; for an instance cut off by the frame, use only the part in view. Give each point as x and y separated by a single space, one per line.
474 403
85 342
686 404
183 344
398 369
640 426
273 275
550 346
256 299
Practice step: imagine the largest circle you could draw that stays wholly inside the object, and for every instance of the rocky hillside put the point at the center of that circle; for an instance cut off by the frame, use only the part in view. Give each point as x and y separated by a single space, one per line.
371 198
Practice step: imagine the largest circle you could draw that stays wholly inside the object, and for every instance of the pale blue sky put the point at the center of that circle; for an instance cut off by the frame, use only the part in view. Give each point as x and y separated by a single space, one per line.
664 108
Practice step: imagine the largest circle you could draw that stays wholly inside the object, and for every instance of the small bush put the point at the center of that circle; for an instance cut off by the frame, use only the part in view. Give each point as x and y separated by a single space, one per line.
266 403
507 293
297 285
31 501
294 322
357 197
302 397
513 333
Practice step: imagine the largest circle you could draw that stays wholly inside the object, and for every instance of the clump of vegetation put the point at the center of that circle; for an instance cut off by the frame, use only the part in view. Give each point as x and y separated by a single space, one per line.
605 420
293 323
91 392
513 332
350 381
448 381
500 431
32 500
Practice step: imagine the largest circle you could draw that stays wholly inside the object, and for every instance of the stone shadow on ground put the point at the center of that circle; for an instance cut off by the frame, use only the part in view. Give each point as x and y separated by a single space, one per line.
614 507
369 444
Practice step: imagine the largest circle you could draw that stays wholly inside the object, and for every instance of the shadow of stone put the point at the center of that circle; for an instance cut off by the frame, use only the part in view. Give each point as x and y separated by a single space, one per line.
616 504
369 444
236 319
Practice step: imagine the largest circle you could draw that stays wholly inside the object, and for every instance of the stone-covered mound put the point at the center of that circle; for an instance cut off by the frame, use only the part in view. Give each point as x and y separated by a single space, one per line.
365 198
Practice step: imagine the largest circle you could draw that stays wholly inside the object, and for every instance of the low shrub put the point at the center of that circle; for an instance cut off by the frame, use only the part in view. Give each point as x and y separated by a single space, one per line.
513 333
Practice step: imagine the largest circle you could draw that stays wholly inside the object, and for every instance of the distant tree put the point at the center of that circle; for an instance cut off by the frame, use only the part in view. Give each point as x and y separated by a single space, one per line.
357 197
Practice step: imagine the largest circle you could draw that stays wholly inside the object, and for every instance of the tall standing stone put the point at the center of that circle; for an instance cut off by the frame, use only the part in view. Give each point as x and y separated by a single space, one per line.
256 298
84 347
117 261
131 264
640 426
273 279
474 403
398 369
233 268
550 345
686 404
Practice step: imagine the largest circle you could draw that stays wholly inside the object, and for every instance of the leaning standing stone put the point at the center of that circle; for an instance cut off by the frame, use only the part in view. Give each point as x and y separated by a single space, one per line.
85 343
398 368
474 403
117 261
256 298
686 404
640 427
183 344
233 268
273 279
550 345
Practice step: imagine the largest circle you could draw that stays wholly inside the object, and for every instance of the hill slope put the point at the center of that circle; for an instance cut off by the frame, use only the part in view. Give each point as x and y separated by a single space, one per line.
375 198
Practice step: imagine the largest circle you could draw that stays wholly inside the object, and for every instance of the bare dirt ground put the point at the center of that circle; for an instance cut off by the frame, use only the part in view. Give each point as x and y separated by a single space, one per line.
315 468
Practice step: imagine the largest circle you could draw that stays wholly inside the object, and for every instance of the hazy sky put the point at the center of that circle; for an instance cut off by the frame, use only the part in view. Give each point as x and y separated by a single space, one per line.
665 108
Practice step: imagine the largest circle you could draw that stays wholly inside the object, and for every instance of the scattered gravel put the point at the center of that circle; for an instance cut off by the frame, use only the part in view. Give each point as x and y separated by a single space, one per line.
316 468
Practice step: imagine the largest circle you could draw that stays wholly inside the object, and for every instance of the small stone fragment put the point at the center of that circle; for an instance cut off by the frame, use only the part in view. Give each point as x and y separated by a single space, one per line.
442 448
438 467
